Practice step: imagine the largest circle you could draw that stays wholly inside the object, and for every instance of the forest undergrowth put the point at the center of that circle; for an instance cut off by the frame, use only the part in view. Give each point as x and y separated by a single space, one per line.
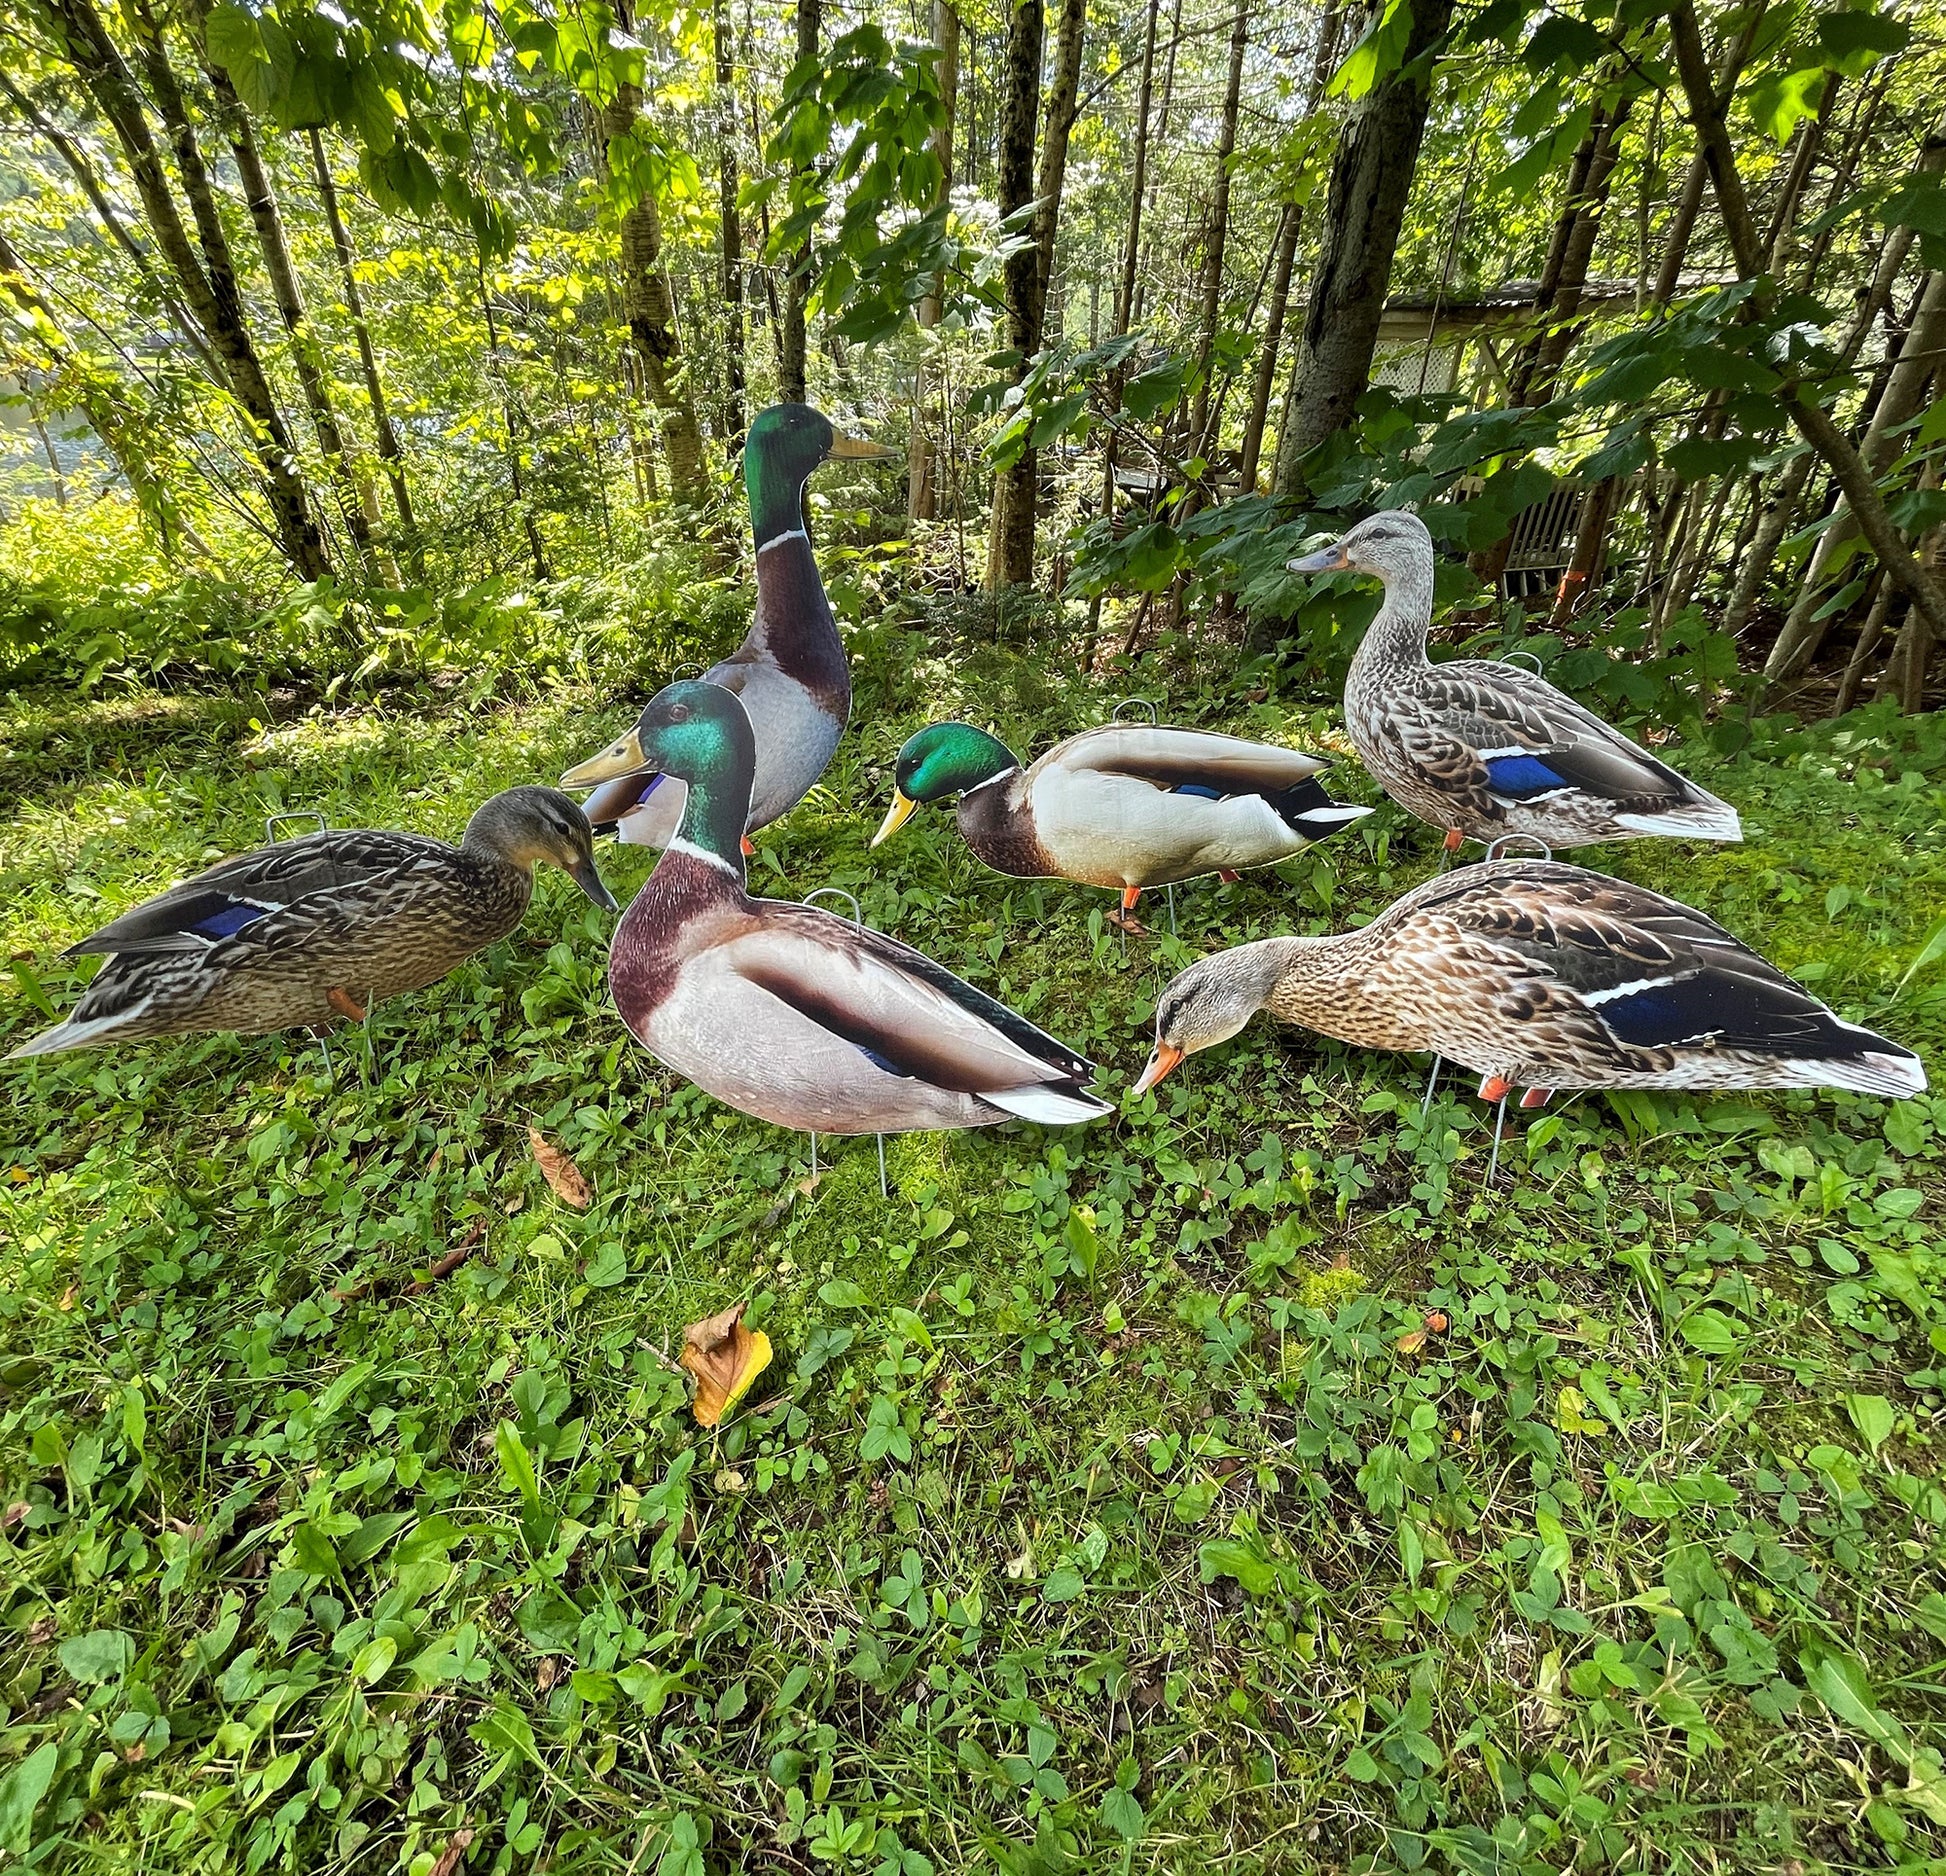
1239 1483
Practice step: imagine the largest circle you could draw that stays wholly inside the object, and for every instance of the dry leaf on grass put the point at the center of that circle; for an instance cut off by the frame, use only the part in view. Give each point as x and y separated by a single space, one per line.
560 1172
725 1358
453 1855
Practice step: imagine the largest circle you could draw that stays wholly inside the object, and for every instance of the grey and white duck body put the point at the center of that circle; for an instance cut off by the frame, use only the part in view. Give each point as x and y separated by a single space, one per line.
1480 748
1125 806
794 1015
1539 975
313 931
790 673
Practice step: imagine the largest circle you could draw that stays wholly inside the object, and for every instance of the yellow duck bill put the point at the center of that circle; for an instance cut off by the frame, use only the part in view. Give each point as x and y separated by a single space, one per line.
857 449
1162 1058
625 757
896 816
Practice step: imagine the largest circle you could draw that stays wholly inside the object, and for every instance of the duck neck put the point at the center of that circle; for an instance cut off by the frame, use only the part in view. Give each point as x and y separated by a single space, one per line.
1397 635
1325 985
793 622
714 814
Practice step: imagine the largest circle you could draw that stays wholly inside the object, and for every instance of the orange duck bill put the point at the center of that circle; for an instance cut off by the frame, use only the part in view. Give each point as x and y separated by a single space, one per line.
1162 1058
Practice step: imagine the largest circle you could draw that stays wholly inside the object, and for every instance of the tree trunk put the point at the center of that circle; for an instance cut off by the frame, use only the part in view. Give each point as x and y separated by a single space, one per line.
1201 443
211 296
1812 420
1897 403
385 433
730 279
1290 224
357 505
921 496
1010 537
532 527
1598 507
1371 179
648 304
797 286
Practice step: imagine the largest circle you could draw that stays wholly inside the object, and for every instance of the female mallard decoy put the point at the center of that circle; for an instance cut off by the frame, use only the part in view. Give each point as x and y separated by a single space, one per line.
1540 976
1481 748
1125 806
786 1011
305 931
790 670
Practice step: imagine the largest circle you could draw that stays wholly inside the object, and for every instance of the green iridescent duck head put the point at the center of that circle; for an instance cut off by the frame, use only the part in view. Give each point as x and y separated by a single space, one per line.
940 760
786 442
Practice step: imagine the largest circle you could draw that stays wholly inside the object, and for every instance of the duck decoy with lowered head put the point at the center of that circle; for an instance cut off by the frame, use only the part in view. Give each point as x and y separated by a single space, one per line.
308 932
787 1012
790 670
1540 976
1481 748
1124 806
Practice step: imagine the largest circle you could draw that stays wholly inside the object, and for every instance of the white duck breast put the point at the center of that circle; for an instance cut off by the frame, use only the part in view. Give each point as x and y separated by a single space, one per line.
1136 805
860 1034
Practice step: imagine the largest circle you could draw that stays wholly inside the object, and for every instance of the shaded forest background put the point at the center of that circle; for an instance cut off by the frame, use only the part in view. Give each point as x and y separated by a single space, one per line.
352 340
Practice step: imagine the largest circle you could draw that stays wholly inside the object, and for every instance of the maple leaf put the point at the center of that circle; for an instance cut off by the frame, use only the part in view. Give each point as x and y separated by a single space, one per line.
725 1358
560 1172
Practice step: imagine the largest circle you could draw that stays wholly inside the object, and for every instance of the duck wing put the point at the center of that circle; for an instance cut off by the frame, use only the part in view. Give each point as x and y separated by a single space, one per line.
1654 973
909 1015
1492 735
327 870
1213 767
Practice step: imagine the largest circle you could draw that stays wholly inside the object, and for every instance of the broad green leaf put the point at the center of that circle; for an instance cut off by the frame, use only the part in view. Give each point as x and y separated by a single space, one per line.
1064 1585
1874 1417
374 1659
1854 42
842 1293
1779 101
516 1462
608 1267
20 1794
1711 1332
103 1654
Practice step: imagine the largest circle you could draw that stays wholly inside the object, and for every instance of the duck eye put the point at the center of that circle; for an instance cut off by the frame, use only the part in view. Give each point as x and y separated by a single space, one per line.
678 713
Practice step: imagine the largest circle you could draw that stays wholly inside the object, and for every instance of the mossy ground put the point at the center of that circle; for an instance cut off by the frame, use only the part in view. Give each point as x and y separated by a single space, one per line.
1111 1504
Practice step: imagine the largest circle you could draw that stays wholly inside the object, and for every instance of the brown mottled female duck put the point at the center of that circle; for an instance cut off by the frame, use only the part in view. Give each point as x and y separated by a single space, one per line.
306 932
1537 975
1481 748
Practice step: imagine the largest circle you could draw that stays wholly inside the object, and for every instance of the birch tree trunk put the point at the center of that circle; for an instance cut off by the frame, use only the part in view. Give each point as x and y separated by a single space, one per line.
1201 443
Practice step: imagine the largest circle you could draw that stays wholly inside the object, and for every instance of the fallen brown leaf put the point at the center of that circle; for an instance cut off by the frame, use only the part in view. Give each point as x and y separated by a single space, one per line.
1437 1322
67 1298
443 1267
136 1753
1412 1341
560 1172
44 1630
14 1513
453 1855
725 1358
547 1673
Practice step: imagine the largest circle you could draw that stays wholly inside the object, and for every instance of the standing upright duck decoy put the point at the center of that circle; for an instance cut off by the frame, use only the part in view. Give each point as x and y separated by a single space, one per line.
1124 806
1481 748
786 1011
1540 976
790 670
308 932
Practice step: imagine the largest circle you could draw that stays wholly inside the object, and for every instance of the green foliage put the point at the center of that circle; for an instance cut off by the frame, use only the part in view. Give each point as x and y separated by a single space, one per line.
1082 1472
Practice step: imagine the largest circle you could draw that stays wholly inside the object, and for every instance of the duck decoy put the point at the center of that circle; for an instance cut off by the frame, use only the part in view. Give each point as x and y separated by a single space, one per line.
1126 806
786 1011
1540 976
1479 747
309 931
790 671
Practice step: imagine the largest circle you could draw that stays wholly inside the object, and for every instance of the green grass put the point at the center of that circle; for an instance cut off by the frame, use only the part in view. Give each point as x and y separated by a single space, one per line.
1092 1517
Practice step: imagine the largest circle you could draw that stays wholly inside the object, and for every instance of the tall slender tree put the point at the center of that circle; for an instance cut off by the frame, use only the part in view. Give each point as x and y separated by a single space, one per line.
1371 180
797 284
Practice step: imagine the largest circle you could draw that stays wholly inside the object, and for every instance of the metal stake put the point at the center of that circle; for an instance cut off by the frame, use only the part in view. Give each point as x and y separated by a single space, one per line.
1432 1082
1499 1122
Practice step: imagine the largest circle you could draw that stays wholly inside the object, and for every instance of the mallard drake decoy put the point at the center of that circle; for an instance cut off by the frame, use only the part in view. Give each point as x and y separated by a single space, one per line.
308 931
790 671
786 1011
1537 975
1125 806
1481 748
